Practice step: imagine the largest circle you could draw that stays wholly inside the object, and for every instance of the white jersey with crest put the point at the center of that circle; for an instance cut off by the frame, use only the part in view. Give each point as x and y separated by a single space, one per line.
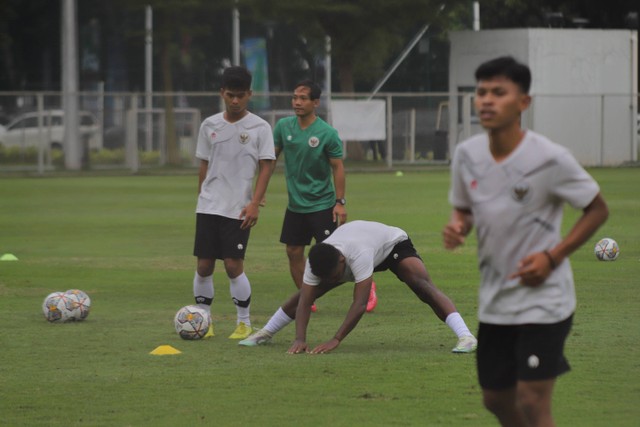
517 209
364 244
233 151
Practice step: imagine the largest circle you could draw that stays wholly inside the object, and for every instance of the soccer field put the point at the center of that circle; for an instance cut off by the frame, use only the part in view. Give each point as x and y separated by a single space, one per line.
127 241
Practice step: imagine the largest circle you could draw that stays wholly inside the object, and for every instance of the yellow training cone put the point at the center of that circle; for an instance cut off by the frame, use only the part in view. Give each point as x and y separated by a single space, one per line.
165 349
8 257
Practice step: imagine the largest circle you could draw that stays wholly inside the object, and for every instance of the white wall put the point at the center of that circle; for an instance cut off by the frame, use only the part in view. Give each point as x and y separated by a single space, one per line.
584 86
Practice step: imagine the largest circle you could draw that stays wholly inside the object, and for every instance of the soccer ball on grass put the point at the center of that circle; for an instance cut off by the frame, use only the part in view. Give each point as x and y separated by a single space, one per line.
607 249
58 307
82 303
192 322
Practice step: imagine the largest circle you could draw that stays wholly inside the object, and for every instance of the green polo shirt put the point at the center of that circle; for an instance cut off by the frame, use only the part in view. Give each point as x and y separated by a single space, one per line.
307 155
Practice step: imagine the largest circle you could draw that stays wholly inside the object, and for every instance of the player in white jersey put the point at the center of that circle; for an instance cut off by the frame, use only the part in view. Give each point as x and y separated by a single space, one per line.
512 184
351 254
232 145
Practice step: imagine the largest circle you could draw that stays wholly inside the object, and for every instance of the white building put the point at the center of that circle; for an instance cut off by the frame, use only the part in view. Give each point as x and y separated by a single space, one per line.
584 88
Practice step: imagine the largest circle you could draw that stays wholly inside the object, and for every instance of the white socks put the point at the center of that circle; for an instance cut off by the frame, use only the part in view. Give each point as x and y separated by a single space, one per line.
240 290
203 291
278 321
457 325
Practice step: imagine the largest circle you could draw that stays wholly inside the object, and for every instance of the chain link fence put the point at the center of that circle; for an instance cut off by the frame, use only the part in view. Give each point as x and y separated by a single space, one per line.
133 131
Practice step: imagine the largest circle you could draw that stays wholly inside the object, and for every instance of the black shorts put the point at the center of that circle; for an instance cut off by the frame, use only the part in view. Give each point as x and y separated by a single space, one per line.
299 228
219 237
510 353
400 251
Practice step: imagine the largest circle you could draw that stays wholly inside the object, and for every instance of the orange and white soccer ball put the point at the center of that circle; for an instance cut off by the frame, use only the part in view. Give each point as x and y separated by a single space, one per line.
58 307
607 249
82 303
192 322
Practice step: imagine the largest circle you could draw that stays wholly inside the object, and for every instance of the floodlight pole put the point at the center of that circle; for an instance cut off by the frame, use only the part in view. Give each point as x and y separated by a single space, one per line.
148 81
71 143
236 34
476 16
327 76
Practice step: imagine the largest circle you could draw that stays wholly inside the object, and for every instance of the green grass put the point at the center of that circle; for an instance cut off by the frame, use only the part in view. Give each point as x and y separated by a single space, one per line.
127 242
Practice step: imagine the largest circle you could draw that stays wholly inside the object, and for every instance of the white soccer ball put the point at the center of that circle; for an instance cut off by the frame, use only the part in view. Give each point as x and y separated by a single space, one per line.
192 322
607 249
58 307
82 303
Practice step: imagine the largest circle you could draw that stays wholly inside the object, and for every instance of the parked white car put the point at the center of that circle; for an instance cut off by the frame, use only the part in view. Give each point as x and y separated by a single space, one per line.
23 131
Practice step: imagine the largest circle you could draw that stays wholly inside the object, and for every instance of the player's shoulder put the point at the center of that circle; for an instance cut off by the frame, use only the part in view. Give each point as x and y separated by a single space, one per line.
215 119
319 123
252 121
286 123
541 143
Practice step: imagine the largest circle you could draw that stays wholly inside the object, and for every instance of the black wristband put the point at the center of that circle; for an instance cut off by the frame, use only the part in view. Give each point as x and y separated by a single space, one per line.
552 262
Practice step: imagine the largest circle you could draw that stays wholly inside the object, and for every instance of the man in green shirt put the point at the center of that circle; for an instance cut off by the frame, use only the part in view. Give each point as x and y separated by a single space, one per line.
315 178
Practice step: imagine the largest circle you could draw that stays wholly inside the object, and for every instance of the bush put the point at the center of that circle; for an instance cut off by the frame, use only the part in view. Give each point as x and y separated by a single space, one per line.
18 155
107 157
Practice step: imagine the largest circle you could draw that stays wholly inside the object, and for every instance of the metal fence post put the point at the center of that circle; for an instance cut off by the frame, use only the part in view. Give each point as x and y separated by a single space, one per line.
389 132
40 102
412 135
131 149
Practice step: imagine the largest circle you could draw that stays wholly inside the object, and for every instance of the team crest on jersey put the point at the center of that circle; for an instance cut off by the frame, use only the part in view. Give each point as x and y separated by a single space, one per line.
521 192
213 135
289 137
244 138
314 141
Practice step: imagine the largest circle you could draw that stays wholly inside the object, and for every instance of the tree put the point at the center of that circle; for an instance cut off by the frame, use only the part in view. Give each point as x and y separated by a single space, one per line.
365 34
176 22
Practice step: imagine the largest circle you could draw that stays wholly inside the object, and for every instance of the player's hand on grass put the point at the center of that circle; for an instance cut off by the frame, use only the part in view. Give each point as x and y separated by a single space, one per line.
298 347
326 347
250 214
533 269
453 234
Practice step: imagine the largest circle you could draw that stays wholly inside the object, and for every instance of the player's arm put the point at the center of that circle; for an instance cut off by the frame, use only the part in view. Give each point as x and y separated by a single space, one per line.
358 307
303 313
252 210
534 269
460 224
278 150
339 181
202 173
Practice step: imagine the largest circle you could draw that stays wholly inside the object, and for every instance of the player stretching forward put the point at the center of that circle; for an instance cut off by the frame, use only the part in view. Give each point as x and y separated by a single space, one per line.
351 254
232 145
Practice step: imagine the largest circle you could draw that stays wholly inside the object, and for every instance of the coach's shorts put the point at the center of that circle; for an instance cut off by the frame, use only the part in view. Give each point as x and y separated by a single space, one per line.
299 228
510 353
400 251
219 237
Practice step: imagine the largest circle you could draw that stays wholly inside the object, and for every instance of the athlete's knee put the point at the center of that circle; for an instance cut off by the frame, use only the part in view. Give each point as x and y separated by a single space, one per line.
295 253
498 403
233 267
205 267
535 402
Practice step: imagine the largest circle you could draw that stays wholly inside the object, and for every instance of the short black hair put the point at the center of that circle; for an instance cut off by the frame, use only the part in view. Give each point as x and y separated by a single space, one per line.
508 67
314 88
236 78
323 259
